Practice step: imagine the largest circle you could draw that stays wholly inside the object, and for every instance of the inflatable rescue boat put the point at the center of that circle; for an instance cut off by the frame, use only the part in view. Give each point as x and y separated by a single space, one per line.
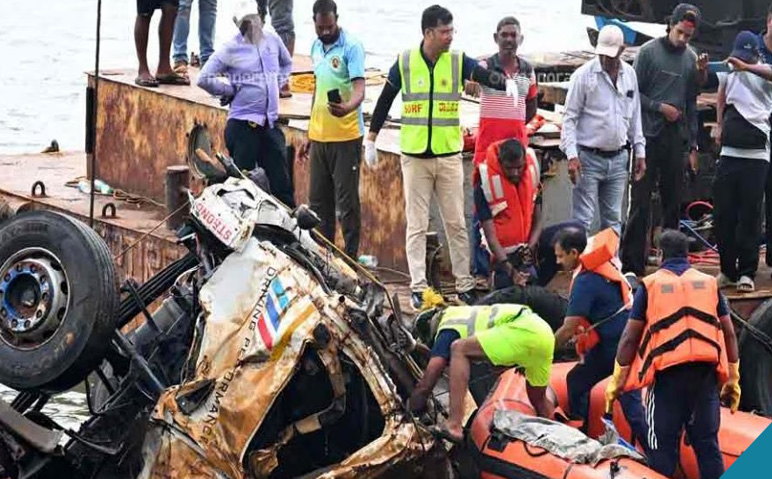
507 440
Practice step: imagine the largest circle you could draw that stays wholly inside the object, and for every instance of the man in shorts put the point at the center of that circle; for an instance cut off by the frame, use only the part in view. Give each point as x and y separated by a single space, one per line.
165 75
502 335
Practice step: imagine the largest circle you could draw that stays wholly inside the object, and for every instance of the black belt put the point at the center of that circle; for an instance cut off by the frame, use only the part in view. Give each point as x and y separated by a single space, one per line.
602 153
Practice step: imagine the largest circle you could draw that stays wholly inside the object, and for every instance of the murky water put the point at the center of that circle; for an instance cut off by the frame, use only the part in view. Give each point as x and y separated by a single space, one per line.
46 46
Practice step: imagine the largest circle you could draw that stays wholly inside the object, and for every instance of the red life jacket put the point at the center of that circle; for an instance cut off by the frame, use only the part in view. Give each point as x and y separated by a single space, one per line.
511 205
597 257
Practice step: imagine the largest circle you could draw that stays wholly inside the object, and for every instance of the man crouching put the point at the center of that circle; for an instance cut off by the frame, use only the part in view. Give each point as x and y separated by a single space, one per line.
501 335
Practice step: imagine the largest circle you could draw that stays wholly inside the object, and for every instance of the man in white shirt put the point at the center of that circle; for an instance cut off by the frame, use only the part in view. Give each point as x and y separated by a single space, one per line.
602 117
744 109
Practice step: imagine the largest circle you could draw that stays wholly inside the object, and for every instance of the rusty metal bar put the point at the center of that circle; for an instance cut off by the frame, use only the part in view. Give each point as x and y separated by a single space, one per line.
176 183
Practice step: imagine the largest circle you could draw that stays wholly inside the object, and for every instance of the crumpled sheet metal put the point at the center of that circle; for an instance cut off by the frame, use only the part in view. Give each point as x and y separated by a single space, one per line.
251 345
559 439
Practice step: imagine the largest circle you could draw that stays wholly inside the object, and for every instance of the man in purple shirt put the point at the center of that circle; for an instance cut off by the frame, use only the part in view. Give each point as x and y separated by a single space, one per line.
256 64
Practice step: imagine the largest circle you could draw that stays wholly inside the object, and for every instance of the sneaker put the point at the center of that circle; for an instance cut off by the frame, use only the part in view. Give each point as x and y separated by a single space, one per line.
416 301
468 297
426 299
724 281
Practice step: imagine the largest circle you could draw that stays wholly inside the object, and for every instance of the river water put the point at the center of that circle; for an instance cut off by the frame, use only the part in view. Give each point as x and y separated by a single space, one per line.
46 46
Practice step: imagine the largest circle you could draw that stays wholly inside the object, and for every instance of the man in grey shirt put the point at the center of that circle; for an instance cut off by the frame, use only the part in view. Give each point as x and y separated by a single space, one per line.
669 78
602 116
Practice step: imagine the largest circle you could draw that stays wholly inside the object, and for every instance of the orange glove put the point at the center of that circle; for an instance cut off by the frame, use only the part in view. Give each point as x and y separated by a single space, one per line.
614 388
730 391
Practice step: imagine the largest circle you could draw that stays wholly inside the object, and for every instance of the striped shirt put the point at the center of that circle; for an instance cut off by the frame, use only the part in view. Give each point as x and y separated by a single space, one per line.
503 105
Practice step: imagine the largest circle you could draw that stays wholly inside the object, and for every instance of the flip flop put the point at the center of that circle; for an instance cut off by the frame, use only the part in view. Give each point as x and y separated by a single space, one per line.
172 79
443 433
146 82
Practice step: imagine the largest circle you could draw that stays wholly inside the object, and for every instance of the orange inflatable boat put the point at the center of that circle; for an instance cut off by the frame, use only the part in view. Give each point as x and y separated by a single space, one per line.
498 455
737 431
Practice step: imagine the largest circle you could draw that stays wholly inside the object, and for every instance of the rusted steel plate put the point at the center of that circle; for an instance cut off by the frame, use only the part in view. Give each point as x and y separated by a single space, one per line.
140 133
131 222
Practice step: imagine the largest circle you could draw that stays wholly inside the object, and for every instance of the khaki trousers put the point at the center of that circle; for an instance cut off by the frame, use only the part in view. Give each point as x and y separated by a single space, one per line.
445 176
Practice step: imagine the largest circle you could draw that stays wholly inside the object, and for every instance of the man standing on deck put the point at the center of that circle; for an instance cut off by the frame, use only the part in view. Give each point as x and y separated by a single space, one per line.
503 115
602 117
164 74
669 79
744 109
765 50
207 17
336 128
430 78
256 64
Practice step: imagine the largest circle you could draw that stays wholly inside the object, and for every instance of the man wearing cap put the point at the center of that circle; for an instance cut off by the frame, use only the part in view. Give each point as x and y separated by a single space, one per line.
744 109
256 64
603 116
669 78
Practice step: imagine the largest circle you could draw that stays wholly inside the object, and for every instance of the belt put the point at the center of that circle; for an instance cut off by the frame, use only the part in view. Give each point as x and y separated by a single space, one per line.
602 153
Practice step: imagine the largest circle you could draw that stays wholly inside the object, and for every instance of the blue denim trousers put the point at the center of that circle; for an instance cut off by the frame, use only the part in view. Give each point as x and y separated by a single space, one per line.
207 16
602 185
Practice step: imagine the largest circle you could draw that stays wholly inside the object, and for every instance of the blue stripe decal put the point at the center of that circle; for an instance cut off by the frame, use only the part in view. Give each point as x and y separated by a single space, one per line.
273 315
281 294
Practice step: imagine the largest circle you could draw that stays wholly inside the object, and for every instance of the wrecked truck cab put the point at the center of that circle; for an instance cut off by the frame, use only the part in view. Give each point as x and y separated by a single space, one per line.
292 388
272 355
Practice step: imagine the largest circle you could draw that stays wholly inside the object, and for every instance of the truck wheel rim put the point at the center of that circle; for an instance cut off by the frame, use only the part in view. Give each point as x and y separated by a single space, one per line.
34 297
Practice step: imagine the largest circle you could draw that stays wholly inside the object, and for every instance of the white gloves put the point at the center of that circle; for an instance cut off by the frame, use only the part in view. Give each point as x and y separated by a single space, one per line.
371 154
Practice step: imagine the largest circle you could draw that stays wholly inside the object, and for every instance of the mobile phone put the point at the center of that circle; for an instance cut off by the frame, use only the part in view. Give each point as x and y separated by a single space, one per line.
333 96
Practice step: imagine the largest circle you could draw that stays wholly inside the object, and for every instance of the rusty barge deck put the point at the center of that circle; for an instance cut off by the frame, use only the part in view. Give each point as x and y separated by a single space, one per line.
140 132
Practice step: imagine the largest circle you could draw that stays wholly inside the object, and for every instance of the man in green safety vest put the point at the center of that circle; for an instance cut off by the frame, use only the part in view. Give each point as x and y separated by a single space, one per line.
502 335
431 79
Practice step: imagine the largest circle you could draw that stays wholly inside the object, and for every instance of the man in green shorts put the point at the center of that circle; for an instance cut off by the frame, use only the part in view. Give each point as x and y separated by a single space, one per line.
501 335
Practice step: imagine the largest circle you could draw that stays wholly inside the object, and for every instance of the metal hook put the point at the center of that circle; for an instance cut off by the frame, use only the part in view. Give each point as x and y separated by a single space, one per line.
111 207
35 186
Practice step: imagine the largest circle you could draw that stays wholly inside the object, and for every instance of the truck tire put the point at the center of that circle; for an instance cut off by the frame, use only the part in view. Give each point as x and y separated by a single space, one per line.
58 301
550 306
756 363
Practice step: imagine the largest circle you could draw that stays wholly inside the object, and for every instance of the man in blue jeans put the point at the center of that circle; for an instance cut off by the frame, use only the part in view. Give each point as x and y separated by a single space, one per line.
603 116
207 15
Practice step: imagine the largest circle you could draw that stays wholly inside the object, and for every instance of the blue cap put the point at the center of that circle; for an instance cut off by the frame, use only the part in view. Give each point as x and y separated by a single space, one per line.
746 47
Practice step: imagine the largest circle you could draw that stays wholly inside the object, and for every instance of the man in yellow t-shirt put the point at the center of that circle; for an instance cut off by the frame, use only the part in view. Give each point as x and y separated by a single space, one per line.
337 126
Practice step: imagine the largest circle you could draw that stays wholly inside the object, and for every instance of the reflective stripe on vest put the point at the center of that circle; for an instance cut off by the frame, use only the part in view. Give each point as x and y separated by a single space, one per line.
467 320
682 326
511 206
430 103
493 190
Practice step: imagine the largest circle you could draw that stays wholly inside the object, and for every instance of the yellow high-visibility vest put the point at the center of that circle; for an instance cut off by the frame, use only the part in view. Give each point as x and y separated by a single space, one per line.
467 320
430 103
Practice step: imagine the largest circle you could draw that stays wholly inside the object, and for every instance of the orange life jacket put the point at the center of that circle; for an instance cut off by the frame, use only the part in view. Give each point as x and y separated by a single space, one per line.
682 326
596 257
511 206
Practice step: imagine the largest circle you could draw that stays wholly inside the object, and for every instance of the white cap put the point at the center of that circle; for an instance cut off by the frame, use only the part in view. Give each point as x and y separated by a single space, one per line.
610 40
244 8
